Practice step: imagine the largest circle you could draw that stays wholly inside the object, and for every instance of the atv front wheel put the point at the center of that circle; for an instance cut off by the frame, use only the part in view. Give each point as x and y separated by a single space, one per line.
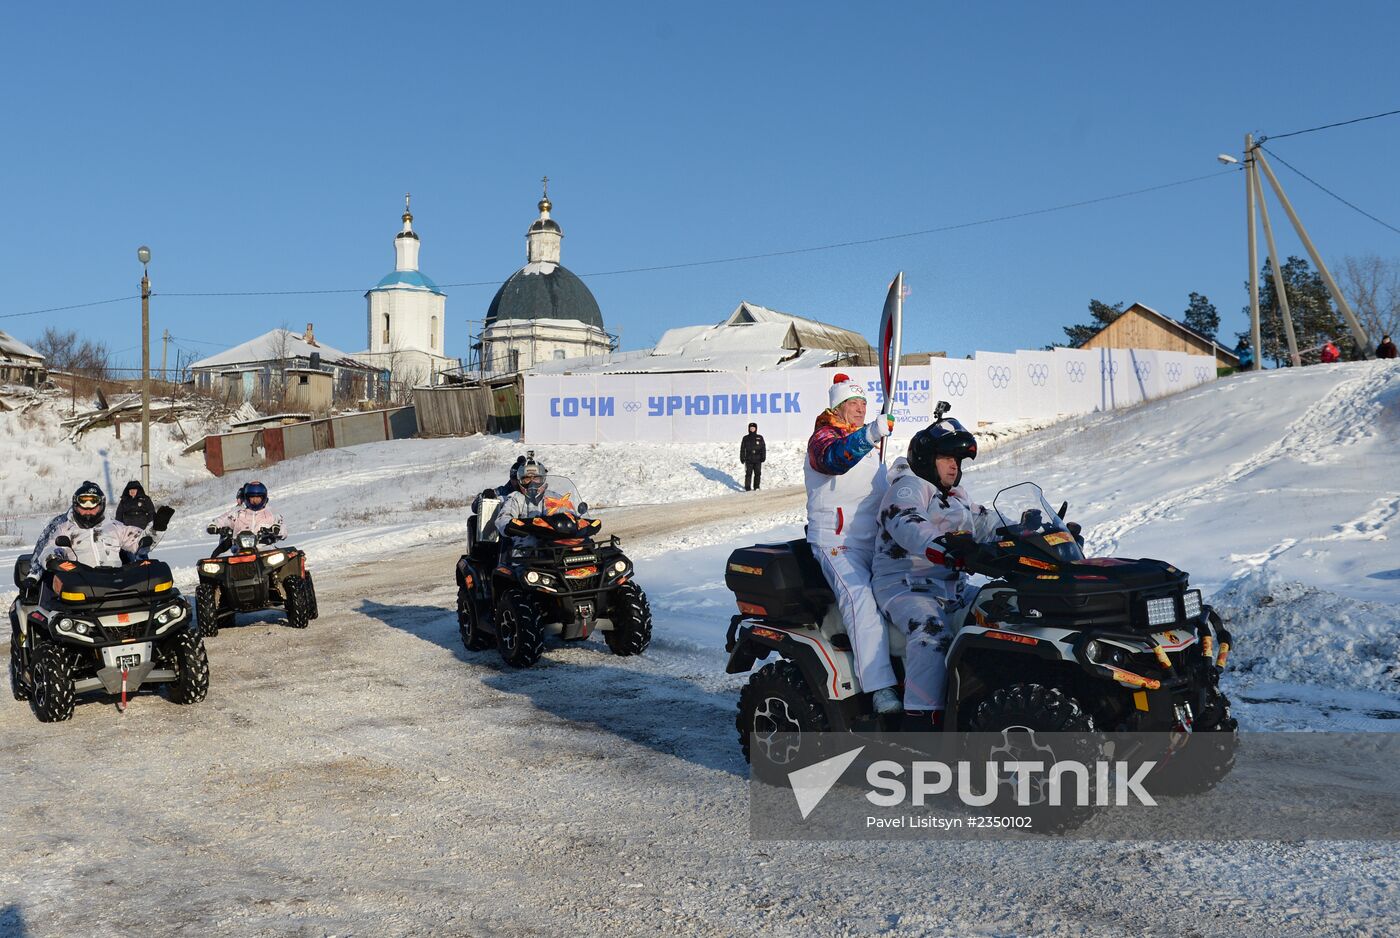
314 610
631 619
191 665
519 629
469 622
298 603
206 609
777 700
52 689
1033 722
17 668
1207 756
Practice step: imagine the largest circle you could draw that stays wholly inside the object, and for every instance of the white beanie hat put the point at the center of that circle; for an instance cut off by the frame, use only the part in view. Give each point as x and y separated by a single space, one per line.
844 389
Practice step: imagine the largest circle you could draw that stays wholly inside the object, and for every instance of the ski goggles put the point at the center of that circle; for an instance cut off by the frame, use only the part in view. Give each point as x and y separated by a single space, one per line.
88 500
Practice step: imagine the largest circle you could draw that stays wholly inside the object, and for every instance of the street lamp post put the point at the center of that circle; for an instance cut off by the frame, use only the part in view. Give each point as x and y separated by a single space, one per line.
143 254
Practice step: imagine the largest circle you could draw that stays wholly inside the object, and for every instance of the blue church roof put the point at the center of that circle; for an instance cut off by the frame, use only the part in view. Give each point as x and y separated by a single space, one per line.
407 278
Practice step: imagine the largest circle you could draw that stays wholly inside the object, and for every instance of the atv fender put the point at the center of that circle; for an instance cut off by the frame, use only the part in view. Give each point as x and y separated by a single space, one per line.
828 670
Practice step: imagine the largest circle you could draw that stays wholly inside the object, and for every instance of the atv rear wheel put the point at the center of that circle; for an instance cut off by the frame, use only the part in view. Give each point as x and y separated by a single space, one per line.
1029 719
52 689
17 668
298 605
206 609
519 629
777 700
188 659
469 623
631 619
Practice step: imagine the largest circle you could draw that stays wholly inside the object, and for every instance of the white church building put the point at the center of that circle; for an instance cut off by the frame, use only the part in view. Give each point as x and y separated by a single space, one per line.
543 312
407 318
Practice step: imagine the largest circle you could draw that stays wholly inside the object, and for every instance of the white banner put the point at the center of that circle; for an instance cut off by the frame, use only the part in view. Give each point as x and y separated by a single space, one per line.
718 406
998 387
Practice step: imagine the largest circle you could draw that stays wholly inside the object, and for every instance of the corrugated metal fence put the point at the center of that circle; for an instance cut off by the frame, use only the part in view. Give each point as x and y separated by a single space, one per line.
248 449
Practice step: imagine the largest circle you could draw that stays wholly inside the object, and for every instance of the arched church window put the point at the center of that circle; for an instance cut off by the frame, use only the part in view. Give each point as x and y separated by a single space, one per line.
386 328
432 334
558 354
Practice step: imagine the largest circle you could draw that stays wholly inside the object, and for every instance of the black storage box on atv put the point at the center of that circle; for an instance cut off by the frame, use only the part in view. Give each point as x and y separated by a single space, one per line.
775 581
1101 592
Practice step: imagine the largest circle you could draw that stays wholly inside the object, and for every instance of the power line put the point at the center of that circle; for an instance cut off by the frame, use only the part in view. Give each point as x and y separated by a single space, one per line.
713 261
59 309
1310 130
1355 208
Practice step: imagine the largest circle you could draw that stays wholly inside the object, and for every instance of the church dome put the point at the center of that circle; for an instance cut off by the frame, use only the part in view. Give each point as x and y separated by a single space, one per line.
407 279
543 290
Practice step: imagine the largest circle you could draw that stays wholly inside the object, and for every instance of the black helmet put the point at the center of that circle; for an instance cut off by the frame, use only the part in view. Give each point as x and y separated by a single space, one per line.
947 437
89 505
530 478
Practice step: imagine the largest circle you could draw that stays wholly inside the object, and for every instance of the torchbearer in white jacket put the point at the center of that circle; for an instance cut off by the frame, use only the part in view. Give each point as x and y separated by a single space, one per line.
845 480
916 583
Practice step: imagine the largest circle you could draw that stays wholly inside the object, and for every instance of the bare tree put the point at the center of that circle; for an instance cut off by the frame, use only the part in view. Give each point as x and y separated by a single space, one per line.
1372 285
64 351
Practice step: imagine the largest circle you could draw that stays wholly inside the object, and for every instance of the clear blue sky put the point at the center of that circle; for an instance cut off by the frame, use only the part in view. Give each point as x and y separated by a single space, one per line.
267 147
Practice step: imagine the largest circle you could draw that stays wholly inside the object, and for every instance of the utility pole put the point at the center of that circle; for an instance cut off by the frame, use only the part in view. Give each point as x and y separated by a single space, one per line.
164 350
1357 333
1280 294
1253 254
143 254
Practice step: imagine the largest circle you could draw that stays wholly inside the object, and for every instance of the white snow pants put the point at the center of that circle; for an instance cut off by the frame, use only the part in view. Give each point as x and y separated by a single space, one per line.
848 571
923 612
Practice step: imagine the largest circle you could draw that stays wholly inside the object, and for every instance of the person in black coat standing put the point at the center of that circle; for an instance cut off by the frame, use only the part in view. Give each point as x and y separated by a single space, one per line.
752 453
135 507
1386 349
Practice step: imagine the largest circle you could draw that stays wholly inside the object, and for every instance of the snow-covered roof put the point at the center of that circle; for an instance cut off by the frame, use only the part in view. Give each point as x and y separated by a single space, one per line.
12 348
279 345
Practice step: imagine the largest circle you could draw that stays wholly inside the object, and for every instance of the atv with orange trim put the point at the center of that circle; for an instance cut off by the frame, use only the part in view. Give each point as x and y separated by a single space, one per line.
257 575
550 575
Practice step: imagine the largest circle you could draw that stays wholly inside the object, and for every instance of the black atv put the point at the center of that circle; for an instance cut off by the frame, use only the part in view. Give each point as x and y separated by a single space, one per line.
255 576
1054 642
108 630
566 583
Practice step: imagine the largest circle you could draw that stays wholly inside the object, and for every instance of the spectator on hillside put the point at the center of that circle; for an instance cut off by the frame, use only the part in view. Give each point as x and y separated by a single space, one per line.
135 507
1386 349
1245 354
1330 353
753 453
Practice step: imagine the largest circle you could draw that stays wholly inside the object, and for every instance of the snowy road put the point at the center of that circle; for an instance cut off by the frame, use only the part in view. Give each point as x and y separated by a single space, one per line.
370 777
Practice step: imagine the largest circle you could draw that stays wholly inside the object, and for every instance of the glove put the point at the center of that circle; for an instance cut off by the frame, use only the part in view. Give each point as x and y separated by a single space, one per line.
879 428
951 561
163 516
145 543
29 591
1075 529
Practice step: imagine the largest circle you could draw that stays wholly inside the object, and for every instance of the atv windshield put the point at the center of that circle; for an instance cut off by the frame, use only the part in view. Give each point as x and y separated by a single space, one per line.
1024 513
561 495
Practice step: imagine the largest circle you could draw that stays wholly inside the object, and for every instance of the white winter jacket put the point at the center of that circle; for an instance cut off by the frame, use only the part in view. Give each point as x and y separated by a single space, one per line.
243 518
99 546
912 513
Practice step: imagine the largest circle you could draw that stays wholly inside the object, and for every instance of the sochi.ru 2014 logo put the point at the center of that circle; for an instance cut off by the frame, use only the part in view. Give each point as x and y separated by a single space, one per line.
955 382
999 375
1039 373
1076 371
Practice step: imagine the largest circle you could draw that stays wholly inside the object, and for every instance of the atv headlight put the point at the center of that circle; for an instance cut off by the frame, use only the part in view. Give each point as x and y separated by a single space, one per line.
1092 650
619 566
82 628
532 577
65 625
274 558
1193 604
211 568
169 614
1161 611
